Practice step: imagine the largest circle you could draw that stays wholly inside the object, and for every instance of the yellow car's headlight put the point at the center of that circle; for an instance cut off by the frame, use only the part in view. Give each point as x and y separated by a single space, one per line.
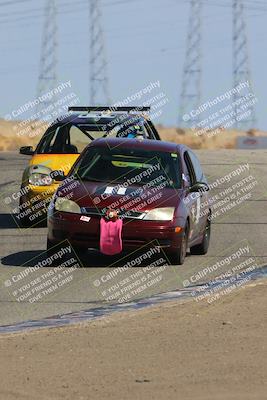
38 179
160 214
66 205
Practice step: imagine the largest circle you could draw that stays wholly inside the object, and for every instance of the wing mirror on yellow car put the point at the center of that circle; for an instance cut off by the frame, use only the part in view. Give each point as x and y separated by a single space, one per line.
26 150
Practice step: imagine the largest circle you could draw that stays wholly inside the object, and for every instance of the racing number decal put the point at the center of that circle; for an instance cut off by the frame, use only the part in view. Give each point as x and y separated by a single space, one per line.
195 210
198 209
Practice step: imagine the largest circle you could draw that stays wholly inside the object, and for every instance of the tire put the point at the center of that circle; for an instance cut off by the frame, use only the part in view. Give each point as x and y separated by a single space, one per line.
51 248
80 251
178 257
24 222
202 248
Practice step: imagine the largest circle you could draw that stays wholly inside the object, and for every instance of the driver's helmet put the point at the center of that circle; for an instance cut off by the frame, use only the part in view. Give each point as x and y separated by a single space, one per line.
133 131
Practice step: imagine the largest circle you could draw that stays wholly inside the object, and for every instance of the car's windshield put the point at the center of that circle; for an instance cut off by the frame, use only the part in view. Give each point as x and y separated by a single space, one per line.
130 166
68 138
72 138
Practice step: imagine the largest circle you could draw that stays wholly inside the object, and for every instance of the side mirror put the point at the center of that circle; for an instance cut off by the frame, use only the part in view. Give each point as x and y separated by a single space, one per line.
199 187
26 150
58 175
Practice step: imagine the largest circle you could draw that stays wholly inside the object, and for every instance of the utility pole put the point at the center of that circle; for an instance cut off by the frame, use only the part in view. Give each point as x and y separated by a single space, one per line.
99 85
48 64
192 72
241 70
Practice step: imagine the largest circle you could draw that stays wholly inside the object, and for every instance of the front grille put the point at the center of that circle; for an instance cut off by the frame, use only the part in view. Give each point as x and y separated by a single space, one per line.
125 214
91 211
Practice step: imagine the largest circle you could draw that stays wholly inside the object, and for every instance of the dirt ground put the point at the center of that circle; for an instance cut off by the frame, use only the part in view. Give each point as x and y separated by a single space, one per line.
174 351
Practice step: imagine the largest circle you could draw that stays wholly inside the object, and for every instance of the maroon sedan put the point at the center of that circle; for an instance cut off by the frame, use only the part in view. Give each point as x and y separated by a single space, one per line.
156 188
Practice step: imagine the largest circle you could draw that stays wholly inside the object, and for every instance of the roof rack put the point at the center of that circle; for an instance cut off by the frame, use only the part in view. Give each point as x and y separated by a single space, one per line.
109 108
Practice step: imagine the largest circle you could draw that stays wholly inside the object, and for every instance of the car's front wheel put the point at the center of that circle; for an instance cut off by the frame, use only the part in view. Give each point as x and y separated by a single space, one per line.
202 248
178 257
51 248
22 220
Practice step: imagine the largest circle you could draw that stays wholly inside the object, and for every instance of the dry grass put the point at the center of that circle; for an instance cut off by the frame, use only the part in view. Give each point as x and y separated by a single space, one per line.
224 139
14 134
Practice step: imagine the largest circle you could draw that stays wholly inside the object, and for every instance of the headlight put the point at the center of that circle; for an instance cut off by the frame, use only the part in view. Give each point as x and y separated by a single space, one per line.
37 179
66 205
160 214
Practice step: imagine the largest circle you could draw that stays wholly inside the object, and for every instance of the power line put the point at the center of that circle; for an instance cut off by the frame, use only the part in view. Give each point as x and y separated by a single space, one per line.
38 12
13 2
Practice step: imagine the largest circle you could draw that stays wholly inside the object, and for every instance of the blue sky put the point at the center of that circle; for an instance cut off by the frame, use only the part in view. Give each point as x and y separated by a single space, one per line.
145 42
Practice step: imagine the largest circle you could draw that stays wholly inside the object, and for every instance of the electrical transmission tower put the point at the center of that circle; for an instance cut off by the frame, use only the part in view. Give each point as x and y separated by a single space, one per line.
241 71
99 85
191 84
48 63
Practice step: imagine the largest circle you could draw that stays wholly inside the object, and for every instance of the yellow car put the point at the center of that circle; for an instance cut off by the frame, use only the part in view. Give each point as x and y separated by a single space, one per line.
62 144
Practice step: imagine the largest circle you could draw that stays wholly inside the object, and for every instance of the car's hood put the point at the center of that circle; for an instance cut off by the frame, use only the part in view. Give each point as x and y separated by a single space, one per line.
101 195
54 162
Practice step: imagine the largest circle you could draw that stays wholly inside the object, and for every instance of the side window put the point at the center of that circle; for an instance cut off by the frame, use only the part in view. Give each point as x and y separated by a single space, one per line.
189 173
200 177
53 141
78 138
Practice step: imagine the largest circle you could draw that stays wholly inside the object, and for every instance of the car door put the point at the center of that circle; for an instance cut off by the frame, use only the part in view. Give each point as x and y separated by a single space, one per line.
202 205
191 199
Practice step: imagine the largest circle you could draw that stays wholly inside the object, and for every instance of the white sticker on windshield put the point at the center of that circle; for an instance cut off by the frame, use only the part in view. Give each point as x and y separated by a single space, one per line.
121 190
109 189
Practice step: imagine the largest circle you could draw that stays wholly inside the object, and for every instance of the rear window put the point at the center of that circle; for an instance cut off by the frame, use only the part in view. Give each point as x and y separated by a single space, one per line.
134 166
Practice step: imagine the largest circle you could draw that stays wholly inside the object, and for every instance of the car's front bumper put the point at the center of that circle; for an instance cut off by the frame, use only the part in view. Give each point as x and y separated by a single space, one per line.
135 233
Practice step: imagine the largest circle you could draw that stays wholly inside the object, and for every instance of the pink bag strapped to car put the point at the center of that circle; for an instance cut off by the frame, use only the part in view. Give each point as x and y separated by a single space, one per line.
111 233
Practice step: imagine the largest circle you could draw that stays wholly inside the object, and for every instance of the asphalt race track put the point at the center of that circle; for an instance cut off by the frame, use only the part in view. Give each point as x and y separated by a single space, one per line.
238 234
